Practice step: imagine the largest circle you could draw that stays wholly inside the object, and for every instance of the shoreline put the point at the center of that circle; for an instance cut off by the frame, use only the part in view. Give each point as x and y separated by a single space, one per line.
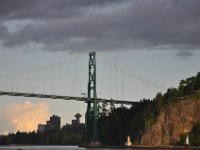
147 147
167 147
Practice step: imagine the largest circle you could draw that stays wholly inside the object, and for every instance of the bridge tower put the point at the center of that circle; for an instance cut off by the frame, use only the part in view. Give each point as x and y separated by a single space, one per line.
91 113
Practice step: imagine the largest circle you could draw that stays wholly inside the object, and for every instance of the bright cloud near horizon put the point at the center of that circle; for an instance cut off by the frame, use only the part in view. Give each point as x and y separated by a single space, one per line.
157 39
25 116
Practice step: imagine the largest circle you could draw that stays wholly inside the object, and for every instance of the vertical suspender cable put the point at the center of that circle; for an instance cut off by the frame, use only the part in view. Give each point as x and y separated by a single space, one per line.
110 68
51 80
117 83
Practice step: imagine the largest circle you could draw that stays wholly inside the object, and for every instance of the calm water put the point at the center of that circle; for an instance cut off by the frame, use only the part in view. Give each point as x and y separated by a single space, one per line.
41 148
48 148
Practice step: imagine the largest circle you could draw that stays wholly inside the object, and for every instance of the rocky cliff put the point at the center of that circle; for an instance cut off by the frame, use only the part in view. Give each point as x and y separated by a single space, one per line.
173 121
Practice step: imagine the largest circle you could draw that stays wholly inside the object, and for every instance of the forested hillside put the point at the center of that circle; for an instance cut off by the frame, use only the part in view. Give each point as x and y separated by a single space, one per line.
153 122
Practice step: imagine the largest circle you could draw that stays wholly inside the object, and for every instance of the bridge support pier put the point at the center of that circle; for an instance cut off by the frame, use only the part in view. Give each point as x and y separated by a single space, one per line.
91 113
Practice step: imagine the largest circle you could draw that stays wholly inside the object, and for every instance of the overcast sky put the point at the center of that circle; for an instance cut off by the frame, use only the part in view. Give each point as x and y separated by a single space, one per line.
101 24
159 39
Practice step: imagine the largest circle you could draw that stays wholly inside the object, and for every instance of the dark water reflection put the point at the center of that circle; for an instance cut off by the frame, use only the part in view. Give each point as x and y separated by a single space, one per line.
49 148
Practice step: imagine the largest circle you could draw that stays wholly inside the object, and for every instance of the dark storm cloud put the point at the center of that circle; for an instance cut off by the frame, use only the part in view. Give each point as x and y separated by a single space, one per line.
184 54
37 9
3 31
104 24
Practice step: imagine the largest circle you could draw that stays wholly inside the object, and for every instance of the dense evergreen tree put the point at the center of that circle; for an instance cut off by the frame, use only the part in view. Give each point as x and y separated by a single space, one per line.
195 135
63 137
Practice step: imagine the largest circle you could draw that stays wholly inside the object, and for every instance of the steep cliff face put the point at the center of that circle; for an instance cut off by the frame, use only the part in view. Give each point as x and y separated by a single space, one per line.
173 121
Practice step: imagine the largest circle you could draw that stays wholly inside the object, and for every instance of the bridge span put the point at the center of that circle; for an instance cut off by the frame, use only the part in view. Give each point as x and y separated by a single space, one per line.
83 99
28 83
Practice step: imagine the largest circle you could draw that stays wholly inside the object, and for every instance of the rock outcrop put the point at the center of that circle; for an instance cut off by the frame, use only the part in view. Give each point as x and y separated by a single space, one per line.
172 122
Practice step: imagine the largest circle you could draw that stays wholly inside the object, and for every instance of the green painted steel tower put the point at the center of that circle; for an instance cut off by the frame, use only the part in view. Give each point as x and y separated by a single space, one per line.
91 114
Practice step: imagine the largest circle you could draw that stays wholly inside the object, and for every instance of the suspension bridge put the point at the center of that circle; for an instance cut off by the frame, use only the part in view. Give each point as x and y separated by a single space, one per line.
54 81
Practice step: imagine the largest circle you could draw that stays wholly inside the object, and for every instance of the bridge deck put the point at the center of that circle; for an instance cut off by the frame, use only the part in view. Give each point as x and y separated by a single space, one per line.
84 99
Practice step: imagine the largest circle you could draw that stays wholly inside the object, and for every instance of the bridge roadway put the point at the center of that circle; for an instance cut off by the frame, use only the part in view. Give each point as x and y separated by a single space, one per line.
84 99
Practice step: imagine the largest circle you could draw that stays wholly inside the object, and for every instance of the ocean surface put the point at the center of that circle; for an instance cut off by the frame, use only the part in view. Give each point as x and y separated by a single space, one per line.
49 148
41 148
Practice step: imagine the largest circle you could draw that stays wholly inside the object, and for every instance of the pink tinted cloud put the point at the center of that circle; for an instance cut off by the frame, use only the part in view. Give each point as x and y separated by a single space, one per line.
26 116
